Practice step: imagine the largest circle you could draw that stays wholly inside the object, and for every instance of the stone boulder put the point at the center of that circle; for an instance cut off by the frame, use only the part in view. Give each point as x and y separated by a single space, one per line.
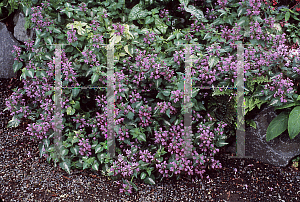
7 41
20 33
278 151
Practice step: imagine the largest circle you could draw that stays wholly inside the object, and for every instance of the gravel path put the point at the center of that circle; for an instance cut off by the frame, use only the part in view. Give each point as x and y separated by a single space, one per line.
26 177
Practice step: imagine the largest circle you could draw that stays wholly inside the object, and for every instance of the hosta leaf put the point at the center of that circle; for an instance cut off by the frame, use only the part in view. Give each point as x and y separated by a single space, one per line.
277 126
294 122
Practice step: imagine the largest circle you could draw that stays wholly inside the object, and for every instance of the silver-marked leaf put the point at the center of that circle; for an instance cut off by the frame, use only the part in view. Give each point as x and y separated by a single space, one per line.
142 137
143 175
49 40
137 12
29 72
213 60
130 115
99 148
95 166
26 10
75 92
13 123
65 166
95 77
17 66
149 180
75 150
161 25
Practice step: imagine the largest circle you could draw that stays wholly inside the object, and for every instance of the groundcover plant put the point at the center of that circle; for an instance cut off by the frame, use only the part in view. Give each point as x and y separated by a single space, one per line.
150 129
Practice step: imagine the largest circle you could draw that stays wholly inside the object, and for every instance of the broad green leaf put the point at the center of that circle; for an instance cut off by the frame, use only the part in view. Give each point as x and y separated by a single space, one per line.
99 148
294 122
149 180
161 25
75 150
75 92
168 113
195 92
196 12
70 111
277 126
213 60
65 166
241 11
64 152
17 65
49 40
142 137
149 20
95 166
13 123
95 78
127 51
130 115
287 16
143 175
69 14
29 72
166 92
137 12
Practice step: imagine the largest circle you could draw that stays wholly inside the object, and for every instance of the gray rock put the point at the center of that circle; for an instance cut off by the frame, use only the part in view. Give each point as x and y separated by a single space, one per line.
20 33
7 41
278 151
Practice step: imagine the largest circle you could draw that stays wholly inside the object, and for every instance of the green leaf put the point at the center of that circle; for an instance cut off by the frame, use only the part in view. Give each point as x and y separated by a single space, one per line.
49 40
166 92
29 72
99 148
13 123
149 20
95 78
213 60
168 113
17 65
65 166
142 137
287 16
69 14
162 27
158 82
130 115
26 11
143 175
95 166
195 92
137 12
75 92
55 30
196 12
149 180
75 150
294 122
277 126
70 111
